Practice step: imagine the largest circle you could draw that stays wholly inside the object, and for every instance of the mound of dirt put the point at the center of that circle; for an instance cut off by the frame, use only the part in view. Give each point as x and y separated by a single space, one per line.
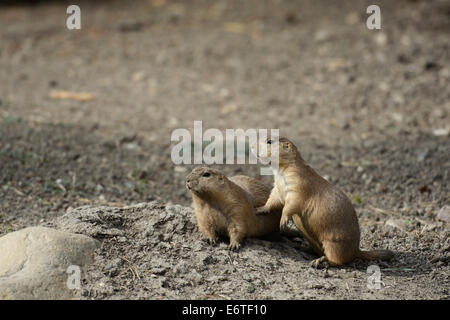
154 251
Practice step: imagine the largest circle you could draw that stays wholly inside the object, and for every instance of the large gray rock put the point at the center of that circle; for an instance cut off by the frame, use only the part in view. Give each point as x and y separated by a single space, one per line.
34 262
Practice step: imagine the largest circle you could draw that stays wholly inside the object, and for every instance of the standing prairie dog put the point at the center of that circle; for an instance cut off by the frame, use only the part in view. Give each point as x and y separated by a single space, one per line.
227 206
323 213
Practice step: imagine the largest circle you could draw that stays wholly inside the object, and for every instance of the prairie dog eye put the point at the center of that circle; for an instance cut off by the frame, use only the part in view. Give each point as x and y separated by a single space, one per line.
269 141
206 174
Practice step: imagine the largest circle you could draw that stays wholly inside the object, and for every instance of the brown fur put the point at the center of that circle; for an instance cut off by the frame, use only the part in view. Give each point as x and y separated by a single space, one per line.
323 213
227 206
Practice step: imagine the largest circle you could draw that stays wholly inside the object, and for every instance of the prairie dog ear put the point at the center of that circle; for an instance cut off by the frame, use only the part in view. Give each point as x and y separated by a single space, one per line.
286 146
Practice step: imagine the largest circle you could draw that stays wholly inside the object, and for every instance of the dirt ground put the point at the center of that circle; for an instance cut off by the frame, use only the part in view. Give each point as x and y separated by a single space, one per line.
369 110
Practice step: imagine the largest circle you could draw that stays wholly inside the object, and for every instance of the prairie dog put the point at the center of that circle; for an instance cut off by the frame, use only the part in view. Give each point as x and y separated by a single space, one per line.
226 206
323 213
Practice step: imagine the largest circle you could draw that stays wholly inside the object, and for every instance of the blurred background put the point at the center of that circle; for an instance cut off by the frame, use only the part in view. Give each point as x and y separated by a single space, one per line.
86 115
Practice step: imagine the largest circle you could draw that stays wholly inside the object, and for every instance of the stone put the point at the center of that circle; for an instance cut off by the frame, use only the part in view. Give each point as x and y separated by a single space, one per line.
441 132
34 262
444 214
401 224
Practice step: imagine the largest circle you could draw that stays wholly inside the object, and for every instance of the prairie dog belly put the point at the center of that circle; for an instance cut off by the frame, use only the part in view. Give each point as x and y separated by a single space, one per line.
280 184
212 216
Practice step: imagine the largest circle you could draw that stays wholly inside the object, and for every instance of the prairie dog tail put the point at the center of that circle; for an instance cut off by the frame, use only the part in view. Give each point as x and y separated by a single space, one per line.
376 255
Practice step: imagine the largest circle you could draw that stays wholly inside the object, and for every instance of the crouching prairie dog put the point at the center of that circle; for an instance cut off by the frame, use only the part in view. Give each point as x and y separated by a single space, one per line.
322 212
226 206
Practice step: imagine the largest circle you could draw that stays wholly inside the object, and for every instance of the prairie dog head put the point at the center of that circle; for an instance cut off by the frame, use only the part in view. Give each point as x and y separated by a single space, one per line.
287 151
206 181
